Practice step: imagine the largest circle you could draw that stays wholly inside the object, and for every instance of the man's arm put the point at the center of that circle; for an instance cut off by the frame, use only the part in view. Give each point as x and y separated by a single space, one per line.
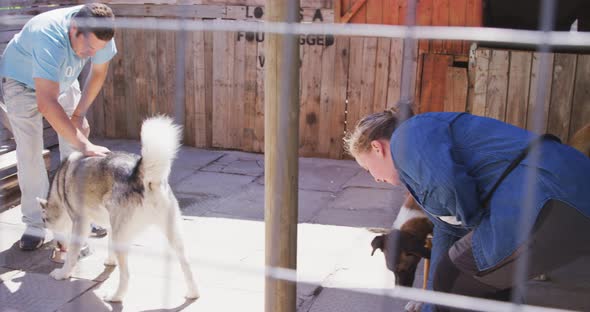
47 92
93 84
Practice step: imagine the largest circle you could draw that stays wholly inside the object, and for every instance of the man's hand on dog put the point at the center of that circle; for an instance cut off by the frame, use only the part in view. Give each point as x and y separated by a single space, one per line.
88 149
94 150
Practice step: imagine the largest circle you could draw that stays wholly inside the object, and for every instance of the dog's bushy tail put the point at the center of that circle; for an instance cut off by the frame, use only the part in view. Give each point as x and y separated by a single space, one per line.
160 140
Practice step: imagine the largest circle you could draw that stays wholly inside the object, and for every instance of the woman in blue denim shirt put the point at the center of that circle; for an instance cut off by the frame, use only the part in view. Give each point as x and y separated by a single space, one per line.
451 163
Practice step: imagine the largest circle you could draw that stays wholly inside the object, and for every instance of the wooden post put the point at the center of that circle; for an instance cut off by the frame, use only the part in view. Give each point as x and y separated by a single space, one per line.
408 78
281 141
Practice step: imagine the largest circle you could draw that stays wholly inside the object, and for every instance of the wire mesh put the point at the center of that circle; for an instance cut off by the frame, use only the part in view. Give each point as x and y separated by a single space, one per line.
410 33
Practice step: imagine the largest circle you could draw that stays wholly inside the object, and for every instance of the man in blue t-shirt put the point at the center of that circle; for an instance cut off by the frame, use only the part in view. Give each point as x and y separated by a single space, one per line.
40 69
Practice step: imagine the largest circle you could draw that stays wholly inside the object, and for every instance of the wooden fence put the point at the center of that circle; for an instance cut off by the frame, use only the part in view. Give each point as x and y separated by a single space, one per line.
506 83
342 78
428 13
503 84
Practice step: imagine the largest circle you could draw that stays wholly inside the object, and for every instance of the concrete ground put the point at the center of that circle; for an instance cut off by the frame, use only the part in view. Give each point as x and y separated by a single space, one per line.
221 194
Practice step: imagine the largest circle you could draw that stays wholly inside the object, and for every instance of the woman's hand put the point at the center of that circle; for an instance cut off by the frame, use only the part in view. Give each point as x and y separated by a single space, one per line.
81 123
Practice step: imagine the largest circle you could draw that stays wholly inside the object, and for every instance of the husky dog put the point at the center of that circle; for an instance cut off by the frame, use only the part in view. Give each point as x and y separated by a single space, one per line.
123 190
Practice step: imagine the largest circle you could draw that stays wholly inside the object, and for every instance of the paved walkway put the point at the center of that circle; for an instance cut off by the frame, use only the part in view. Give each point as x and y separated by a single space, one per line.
221 194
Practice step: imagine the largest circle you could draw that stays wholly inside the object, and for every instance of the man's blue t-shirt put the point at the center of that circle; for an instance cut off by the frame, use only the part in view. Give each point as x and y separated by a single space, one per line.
42 49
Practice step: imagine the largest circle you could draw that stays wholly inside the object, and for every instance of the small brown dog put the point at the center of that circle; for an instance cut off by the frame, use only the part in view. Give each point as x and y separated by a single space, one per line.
406 243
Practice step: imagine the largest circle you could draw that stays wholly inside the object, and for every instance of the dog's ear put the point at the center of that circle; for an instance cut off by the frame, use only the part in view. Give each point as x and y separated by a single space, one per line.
377 243
42 202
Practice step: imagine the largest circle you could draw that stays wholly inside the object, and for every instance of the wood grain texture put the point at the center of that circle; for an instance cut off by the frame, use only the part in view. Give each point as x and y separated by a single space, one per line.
480 87
424 12
433 84
382 73
258 144
581 103
196 120
497 89
455 99
375 11
337 104
354 82
367 87
395 72
117 125
440 17
311 83
281 166
562 91
457 17
249 99
474 18
356 13
223 65
540 92
519 78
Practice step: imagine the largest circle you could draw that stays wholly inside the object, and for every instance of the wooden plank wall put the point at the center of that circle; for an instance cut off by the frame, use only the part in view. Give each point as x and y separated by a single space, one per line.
374 68
433 55
428 13
342 78
224 79
507 82
434 81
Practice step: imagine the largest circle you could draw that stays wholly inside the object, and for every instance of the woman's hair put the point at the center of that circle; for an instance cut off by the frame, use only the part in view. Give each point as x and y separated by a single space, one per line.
372 127
96 18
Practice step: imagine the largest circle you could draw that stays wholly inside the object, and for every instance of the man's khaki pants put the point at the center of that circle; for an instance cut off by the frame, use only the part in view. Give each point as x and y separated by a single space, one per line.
27 128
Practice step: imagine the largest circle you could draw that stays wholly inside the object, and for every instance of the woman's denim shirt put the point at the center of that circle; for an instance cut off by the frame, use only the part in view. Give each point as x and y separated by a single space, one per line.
450 161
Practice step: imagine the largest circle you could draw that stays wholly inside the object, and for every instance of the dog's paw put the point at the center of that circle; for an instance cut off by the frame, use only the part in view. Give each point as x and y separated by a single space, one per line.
110 262
59 274
192 294
113 298
413 306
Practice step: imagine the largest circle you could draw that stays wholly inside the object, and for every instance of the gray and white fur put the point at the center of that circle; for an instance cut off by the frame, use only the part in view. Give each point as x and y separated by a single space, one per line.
124 192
